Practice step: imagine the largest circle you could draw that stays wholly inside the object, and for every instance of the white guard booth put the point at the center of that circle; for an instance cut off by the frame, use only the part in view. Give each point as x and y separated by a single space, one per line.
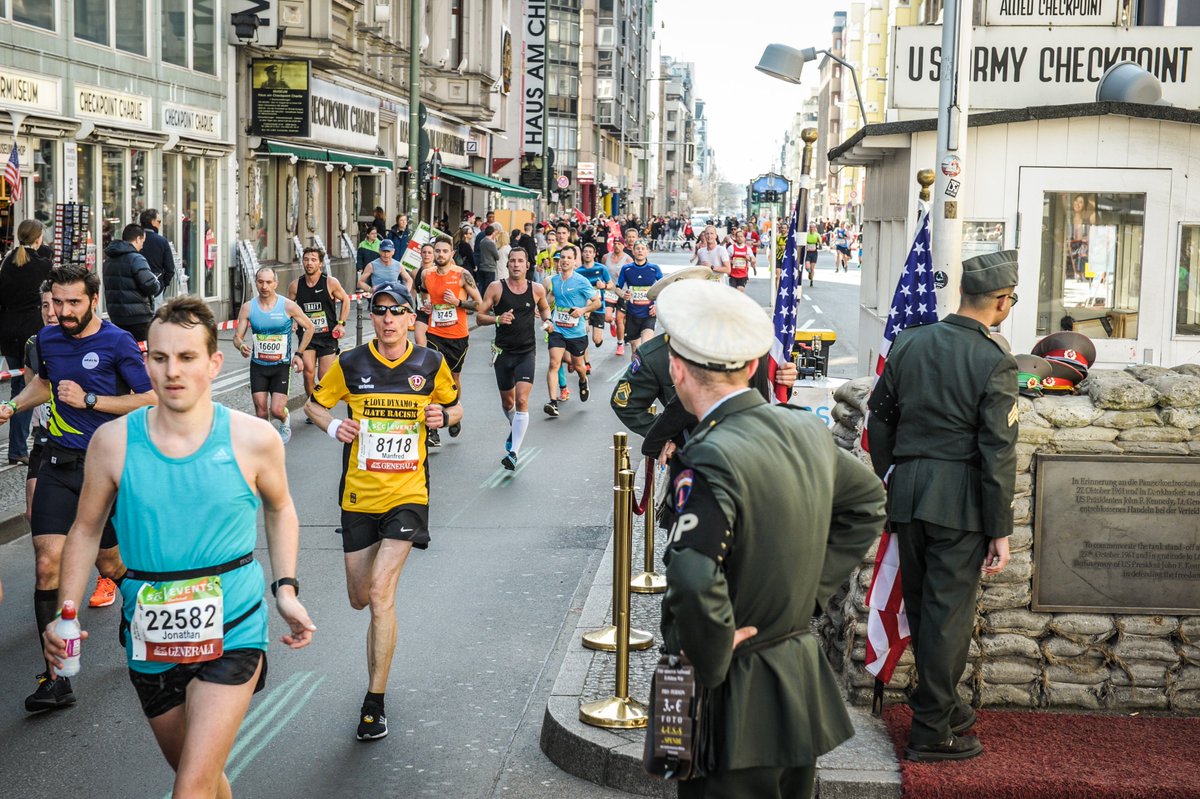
1101 199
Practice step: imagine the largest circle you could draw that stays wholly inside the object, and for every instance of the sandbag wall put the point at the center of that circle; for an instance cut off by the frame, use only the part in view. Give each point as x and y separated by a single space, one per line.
1023 658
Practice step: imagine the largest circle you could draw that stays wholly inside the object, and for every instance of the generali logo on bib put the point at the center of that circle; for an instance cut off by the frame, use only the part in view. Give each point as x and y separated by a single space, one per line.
91 360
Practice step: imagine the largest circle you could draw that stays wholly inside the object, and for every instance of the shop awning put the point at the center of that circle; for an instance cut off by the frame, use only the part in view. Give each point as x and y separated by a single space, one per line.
505 189
323 155
359 159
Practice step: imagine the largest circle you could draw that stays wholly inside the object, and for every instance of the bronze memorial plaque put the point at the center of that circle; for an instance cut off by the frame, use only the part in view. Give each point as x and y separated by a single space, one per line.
1117 534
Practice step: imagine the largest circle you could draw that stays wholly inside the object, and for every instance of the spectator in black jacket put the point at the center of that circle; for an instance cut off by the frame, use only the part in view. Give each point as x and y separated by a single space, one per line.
400 234
21 275
129 285
157 252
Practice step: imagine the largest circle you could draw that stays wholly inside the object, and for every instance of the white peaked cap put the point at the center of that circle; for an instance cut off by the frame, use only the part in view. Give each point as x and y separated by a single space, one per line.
714 326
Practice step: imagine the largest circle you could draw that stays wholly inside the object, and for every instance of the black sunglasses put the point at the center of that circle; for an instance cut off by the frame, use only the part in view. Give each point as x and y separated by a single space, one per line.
395 310
1012 296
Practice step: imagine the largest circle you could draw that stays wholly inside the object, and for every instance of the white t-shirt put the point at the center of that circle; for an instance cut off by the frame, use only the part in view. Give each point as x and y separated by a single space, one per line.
502 264
717 256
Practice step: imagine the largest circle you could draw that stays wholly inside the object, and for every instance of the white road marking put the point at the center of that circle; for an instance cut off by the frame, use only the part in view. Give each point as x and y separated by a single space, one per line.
817 309
807 324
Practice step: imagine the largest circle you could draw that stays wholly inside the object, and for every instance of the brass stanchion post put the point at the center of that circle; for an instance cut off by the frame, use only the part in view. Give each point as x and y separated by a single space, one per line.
619 711
649 581
605 638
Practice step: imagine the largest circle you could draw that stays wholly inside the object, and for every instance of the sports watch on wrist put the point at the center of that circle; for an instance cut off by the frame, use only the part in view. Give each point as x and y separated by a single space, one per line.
89 401
292 581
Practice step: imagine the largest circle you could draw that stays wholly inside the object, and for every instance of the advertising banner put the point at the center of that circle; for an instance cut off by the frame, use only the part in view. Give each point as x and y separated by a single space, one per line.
533 95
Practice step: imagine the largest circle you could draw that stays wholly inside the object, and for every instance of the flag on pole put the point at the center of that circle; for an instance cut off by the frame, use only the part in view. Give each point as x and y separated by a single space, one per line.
12 176
785 309
914 303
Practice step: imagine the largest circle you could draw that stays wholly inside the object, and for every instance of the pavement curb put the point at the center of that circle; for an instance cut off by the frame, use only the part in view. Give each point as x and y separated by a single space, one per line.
864 767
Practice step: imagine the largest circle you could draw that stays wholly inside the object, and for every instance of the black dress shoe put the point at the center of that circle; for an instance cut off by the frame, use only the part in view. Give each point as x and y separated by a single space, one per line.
953 748
962 719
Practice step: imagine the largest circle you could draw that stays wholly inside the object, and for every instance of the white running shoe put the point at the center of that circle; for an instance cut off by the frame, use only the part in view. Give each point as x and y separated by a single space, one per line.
285 428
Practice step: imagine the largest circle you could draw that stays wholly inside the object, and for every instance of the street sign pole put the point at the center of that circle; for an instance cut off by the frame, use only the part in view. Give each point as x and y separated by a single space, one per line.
414 120
951 167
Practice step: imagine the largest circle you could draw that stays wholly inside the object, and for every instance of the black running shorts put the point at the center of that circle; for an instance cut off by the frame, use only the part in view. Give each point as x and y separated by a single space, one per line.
596 319
56 498
514 367
323 344
454 350
166 690
575 347
404 523
273 379
736 282
634 325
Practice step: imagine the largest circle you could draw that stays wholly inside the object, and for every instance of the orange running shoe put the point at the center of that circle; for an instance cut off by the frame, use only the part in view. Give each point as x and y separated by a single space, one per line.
105 593
564 394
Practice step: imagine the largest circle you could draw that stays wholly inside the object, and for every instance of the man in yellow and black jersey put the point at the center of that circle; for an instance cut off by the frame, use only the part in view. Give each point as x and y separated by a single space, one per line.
394 390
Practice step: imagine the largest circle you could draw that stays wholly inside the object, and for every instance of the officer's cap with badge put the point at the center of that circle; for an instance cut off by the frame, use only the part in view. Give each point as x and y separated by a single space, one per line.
1070 354
989 272
713 326
1031 371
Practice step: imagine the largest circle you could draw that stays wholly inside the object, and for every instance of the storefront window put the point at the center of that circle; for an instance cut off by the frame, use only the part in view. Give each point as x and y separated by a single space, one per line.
86 171
137 183
91 21
191 242
212 218
263 180
34 12
1091 263
112 194
44 172
1187 297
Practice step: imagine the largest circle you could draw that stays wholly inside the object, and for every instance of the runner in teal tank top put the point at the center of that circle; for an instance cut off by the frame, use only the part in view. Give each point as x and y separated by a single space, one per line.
221 533
188 477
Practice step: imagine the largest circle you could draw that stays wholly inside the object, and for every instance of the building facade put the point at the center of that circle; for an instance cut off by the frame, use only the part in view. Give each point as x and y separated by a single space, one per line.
676 153
115 115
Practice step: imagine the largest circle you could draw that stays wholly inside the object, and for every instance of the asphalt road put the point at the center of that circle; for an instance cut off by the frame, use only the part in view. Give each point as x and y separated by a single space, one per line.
482 616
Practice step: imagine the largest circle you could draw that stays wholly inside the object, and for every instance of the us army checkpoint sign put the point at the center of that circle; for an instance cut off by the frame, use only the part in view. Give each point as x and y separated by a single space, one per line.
1020 67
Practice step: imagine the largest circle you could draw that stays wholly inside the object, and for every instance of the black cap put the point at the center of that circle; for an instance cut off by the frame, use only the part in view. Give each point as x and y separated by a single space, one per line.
397 291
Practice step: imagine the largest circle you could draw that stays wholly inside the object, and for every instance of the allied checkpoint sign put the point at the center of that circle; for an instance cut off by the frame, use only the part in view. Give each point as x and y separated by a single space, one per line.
1021 66
1052 12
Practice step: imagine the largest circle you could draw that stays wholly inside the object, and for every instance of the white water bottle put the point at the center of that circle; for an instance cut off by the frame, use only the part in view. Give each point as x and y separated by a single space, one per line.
68 630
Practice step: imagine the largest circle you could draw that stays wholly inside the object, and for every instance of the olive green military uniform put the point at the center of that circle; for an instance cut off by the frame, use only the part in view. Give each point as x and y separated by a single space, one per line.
647 378
773 516
944 423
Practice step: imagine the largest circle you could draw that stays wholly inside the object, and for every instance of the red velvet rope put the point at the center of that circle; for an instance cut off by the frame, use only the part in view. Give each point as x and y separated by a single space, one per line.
639 507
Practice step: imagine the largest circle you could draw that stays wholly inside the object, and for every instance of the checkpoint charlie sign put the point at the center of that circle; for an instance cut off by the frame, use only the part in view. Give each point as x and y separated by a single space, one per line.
1019 67
1053 12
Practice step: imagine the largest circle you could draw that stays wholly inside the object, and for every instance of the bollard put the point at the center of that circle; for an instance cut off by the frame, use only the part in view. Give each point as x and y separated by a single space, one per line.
649 581
358 322
605 638
619 711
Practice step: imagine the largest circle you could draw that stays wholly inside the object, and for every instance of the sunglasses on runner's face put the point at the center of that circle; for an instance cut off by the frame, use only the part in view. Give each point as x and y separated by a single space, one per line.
395 310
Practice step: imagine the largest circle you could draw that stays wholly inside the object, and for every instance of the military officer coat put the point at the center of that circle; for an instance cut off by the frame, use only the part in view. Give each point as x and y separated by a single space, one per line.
772 518
944 414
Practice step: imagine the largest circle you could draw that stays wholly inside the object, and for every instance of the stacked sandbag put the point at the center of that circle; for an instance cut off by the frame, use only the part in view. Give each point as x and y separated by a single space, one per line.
1025 658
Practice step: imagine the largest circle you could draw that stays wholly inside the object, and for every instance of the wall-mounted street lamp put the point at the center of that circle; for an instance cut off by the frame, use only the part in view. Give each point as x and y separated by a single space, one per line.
786 63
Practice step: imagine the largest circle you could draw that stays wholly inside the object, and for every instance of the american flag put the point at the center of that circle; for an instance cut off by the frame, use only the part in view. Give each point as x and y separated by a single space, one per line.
12 176
785 308
914 303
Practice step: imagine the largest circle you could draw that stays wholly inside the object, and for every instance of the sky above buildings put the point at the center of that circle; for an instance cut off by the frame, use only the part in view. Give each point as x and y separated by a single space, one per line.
748 112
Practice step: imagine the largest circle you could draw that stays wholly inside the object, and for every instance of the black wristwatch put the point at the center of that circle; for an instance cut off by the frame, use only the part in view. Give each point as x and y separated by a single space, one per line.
89 401
292 581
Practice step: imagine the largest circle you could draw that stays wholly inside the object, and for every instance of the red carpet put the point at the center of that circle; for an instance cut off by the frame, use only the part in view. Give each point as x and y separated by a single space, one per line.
1060 756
